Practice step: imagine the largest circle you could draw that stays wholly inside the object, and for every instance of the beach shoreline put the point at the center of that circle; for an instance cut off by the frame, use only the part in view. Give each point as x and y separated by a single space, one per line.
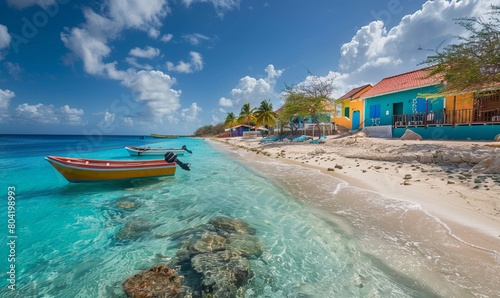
448 179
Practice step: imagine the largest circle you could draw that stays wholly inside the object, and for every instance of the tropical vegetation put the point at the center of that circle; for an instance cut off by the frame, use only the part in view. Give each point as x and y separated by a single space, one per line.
474 63
309 99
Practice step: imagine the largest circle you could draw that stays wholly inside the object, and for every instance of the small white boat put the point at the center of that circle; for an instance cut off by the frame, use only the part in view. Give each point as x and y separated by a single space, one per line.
143 151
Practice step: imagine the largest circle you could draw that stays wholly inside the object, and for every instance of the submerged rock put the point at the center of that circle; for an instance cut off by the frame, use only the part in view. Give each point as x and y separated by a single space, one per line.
223 272
135 229
128 202
213 258
159 281
247 245
208 242
231 225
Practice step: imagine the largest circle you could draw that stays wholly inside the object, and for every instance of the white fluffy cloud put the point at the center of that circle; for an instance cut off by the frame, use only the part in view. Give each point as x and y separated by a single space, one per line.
225 102
49 114
191 114
153 33
107 121
5 97
147 52
221 6
4 37
253 91
154 89
166 37
376 52
90 43
195 64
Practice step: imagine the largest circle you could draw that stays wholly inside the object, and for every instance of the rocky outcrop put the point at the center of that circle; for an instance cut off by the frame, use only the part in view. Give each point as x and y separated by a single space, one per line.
489 165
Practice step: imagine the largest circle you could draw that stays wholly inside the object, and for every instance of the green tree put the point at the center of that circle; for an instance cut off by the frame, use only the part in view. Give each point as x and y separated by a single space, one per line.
230 121
246 115
473 63
209 130
265 115
310 98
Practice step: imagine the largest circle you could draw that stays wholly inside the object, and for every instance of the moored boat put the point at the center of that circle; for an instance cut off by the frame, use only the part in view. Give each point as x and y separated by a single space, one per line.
92 170
141 151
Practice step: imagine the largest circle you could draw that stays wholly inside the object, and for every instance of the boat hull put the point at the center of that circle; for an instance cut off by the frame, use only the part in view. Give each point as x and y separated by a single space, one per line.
91 170
139 151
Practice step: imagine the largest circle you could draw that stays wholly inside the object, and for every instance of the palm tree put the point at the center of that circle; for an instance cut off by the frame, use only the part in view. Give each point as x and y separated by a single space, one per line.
246 115
265 115
230 121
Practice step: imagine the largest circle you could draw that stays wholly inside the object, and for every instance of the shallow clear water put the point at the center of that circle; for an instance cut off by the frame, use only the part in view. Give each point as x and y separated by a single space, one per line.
66 245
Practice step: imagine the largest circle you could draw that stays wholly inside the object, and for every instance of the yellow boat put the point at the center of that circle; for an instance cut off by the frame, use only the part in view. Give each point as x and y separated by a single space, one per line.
92 170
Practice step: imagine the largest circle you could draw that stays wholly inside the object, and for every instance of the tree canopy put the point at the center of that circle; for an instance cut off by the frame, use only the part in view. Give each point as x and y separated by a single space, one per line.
246 115
265 115
231 120
310 98
473 63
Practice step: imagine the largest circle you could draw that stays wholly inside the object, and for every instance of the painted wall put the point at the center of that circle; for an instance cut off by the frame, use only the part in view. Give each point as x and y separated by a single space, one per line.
238 131
357 105
460 132
463 101
340 118
407 99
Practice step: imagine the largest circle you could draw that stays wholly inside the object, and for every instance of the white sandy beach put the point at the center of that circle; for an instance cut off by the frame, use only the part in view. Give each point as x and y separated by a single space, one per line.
458 182
445 235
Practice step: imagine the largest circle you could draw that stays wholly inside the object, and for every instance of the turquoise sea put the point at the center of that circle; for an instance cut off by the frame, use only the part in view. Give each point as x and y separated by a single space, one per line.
322 238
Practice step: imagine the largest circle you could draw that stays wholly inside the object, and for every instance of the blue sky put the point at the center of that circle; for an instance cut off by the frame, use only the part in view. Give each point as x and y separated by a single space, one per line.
170 67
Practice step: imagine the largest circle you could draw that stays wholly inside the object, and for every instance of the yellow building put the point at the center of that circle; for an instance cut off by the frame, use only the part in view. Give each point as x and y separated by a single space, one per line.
349 108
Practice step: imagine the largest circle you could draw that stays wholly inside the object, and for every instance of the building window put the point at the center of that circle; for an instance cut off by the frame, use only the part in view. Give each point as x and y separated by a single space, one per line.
375 111
346 112
423 105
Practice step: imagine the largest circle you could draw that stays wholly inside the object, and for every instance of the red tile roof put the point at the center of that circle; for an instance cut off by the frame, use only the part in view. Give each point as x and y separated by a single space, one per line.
410 80
353 92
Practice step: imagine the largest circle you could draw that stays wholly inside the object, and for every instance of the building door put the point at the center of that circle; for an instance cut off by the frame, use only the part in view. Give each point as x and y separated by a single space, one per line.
397 108
355 120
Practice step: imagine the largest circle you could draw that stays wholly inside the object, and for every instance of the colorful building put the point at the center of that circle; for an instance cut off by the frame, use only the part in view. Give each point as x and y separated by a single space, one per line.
411 100
349 108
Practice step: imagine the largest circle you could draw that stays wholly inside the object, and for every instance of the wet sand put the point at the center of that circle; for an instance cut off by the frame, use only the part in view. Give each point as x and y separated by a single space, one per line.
436 228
